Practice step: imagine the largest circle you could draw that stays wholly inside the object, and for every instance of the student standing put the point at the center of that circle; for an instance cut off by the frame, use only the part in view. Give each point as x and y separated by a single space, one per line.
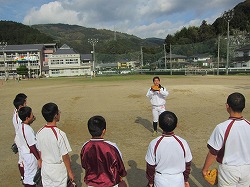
27 146
168 157
102 160
229 145
54 148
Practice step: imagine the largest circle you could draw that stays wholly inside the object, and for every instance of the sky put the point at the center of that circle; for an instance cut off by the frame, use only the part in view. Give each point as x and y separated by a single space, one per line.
142 18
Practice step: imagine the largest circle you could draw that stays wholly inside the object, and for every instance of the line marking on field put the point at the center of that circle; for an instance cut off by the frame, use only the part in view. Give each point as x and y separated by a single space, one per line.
195 181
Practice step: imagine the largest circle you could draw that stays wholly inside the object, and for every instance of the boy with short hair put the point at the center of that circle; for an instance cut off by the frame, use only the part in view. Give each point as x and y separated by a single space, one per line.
19 102
168 157
27 146
157 95
229 146
54 148
102 160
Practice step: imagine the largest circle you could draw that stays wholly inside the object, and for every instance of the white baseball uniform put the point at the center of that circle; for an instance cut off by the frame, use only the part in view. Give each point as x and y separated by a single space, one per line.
234 170
170 160
158 101
53 144
17 123
27 137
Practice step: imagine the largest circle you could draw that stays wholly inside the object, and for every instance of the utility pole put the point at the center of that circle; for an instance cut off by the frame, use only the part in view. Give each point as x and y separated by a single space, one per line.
228 16
170 57
93 42
141 57
3 45
218 56
165 55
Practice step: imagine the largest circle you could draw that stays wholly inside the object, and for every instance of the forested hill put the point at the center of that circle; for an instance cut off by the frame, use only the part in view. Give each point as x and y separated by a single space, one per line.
17 33
110 42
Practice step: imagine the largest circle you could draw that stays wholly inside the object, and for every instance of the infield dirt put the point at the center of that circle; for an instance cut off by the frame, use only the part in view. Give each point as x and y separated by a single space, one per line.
198 101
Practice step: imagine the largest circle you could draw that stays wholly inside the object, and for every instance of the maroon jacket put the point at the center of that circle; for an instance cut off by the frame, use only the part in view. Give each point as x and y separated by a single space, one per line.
102 163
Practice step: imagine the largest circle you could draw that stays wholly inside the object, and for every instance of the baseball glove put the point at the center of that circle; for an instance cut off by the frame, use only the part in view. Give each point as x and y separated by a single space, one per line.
212 177
38 178
155 88
14 148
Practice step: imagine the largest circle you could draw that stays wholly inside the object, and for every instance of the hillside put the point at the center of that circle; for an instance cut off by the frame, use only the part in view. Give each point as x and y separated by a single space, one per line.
17 33
108 41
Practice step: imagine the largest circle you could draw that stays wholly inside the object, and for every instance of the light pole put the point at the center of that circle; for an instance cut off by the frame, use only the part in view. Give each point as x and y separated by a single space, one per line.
165 55
93 42
170 58
218 63
228 16
141 57
3 45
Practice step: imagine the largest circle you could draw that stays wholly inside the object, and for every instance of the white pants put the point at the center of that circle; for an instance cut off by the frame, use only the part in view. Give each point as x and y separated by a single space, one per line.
156 111
54 175
166 180
30 167
234 176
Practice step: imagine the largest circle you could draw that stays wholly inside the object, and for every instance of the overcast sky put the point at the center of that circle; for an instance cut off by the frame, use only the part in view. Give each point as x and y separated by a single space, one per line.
143 18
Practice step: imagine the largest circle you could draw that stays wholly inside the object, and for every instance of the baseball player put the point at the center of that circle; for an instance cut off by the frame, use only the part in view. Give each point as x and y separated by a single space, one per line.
19 102
54 147
229 145
27 146
157 95
102 160
168 157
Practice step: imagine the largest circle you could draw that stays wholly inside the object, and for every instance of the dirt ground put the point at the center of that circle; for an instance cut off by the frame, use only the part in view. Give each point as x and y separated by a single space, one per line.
198 101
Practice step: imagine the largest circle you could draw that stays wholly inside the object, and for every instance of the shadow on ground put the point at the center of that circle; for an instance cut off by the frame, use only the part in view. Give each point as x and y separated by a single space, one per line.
77 169
147 124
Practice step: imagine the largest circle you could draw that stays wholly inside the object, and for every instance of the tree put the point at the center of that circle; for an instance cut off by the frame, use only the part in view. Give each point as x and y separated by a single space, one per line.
22 70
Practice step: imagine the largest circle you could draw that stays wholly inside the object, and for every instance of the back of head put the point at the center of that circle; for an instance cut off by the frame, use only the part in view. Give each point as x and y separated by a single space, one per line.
96 125
236 101
24 112
49 111
21 95
167 121
18 101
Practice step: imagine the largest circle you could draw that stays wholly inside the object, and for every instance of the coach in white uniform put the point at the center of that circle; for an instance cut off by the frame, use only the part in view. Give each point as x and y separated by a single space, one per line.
229 145
54 148
157 95
168 157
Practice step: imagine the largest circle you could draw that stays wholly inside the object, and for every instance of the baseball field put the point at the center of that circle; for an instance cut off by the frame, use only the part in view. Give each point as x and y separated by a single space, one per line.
198 102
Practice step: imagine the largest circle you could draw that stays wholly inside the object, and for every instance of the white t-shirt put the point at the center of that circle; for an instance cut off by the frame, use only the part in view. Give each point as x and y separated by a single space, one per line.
52 145
237 149
169 155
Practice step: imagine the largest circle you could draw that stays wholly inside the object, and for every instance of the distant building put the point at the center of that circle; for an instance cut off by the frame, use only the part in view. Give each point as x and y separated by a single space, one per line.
43 59
67 62
242 57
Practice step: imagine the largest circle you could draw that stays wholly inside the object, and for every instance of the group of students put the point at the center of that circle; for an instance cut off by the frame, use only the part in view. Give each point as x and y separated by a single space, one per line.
49 149
168 158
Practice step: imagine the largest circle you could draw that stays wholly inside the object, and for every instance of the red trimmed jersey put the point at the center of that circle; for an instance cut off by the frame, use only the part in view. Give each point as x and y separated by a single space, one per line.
102 162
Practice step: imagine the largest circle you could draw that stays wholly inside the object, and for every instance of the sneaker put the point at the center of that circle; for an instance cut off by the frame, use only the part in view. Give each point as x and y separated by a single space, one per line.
154 133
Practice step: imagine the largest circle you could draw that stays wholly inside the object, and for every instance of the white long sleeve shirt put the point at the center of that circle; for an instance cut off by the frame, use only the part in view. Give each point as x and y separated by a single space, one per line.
157 98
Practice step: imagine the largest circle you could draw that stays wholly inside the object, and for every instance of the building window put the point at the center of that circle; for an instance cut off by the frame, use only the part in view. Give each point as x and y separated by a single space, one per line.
56 62
55 71
71 61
